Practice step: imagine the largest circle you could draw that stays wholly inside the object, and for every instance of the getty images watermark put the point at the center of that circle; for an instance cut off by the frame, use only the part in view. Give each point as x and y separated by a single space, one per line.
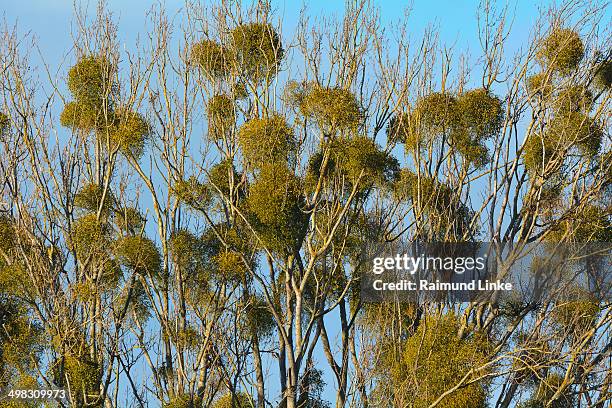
461 272
433 266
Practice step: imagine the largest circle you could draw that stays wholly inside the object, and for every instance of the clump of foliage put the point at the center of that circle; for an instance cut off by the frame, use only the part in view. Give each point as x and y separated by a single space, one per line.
221 116
79 116
275 201
295 92
193 255
448 217
434 195
89 81
539 152
433 114
222 176
14 279
211 57
431 370
92 85
83 376
90 196
316 168
139 254
546 390
90 236
188 337
223 253
562 50
192 192
480 117
259 318
481 114
184 247
257 49
311 388
332 108
590 223
129 220
140 304
183 401
236 400
20 341
354 159
579 129
265 140
129 133
110 274
475 153
603 75
539 83
398 128
8 237
361 157
574 98
469 120
5 123
230 266
577 310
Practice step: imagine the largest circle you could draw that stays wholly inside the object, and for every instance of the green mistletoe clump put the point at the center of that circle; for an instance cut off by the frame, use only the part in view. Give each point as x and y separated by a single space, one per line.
275 201
362 157
575 98
237 400
5 123
433 115
210 57
259 319
539 83
129 133
185 249
603 75
576 310
590 223
431 370
90 236
222 176
84 376
139 254
90 198
257 50
93 87
129 220
221 116
231 266
352 160
562 50
332 108
8 237
540 153
577 129
398 129
90 82
192 192
480 117
265 140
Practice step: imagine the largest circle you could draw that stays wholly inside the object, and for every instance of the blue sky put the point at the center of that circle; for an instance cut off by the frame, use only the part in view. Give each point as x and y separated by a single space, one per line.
51 22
